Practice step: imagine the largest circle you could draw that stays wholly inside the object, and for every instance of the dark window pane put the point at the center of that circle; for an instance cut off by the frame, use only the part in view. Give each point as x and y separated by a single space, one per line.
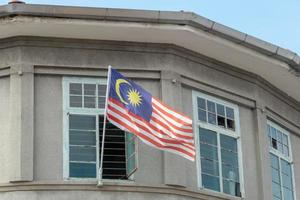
231 187
274 143
89 102
82 122
228 142
221 121
208 151
83 170
220 110
201 103
212 118
229 157
211 106
114 152
82 153
90 89
230 124
209 167
76 101
101 102
211 182
208 136
229 113
202 115
82 138
76 88
102 90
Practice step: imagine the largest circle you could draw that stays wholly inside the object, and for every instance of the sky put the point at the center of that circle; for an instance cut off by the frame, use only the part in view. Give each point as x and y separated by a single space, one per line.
275 21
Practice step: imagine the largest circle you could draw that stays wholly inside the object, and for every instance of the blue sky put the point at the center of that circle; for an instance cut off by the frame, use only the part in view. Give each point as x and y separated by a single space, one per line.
275 21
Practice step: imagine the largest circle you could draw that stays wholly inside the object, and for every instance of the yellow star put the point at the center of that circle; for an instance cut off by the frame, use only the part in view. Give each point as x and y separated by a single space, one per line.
134 97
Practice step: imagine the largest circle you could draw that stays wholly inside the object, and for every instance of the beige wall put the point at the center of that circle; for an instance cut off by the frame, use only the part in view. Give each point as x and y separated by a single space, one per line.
4 128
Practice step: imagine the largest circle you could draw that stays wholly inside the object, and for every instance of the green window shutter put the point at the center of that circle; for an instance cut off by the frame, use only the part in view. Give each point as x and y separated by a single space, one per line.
131 156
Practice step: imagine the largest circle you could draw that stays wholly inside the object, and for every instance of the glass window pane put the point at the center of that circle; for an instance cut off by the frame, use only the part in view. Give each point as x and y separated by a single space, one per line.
286 167
76 88
83 170
201 103
229 113
211 106
229 158
89 102
209 167
221 121
82 153
202 115
82 122
230 172
90 89
287 181
231 187
285 139
211 182
275 176
212 118
228 142
285 150
208 136
274 161
276 190
279 136
230 124
102 90
101 102
220 110
82 138
273 133
76 101
208 151
288 194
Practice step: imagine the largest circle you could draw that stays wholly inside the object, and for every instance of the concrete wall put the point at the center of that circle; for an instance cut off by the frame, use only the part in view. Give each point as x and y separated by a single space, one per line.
4 128
154 67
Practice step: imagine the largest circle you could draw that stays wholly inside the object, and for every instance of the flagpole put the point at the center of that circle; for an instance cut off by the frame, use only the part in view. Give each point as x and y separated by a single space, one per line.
100 173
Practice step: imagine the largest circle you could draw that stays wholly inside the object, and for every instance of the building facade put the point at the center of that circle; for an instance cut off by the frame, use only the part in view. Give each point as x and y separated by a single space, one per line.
241 93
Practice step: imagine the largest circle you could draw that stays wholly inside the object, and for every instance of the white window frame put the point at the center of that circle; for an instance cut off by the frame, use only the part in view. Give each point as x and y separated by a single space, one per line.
280 156
67 110
219 130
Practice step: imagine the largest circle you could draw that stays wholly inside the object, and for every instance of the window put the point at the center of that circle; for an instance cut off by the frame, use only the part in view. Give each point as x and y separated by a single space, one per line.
281 162
84 102
218 141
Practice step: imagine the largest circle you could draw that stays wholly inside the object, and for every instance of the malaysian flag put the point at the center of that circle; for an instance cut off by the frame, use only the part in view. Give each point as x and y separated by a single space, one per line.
133 109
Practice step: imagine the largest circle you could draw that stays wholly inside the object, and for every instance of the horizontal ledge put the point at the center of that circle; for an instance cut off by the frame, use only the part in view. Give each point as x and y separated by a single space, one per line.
113 187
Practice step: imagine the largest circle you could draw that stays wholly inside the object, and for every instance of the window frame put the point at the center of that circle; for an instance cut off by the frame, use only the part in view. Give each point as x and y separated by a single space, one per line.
67 110
281 156
219 130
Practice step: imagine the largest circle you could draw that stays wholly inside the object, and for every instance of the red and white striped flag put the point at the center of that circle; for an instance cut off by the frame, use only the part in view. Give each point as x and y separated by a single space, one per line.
133 109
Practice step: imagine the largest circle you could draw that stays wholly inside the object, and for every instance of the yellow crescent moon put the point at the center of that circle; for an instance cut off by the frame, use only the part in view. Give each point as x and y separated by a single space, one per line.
117 87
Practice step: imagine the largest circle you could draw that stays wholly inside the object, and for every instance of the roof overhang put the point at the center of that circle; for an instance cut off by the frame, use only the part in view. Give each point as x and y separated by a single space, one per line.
278 66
